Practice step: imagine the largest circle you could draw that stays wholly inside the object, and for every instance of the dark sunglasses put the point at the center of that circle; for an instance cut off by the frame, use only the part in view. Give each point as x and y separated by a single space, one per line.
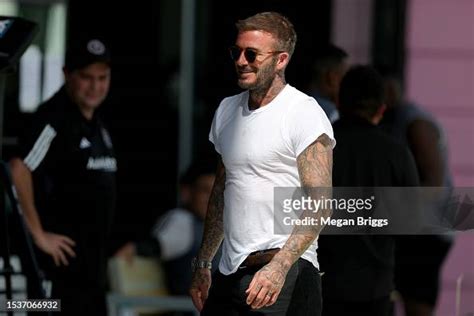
250 54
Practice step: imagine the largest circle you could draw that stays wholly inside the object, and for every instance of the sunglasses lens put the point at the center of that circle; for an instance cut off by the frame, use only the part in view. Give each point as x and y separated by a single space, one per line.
250 55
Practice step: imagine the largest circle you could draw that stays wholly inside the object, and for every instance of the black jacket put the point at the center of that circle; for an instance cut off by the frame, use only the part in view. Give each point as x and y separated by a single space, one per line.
73 166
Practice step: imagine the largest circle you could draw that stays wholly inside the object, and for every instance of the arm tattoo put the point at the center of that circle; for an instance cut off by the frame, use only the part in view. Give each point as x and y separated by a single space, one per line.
315 164
315 170
213 225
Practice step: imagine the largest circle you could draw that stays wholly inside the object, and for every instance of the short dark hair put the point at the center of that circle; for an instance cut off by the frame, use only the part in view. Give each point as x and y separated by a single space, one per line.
361 91
274 23
328 58
196 170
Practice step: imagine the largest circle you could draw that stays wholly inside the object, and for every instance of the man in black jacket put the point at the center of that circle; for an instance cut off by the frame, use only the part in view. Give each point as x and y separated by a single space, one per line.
64 173
358 270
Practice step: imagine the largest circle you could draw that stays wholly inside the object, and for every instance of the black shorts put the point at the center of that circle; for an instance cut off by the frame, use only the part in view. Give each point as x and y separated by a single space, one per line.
418 262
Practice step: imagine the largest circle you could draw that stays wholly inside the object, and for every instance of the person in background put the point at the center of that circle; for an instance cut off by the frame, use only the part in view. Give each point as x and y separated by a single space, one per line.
176 236
330 65
419 258
64 174
359 271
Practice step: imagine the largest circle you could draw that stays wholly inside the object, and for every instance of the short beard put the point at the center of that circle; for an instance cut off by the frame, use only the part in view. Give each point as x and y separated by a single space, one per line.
265 77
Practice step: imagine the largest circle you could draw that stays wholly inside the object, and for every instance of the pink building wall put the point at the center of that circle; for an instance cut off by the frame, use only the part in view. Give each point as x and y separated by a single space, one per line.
440 73
440 78
351 28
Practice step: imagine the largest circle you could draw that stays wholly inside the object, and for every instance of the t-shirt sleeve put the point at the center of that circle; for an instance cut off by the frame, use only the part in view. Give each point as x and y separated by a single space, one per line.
306 121
35 143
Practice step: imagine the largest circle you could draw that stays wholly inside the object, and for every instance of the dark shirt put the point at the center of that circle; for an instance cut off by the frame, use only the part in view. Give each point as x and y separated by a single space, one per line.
360 268
73 166
328 107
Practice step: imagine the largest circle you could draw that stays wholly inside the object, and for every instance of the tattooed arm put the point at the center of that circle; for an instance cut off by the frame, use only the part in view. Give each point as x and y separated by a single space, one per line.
315 170
212 238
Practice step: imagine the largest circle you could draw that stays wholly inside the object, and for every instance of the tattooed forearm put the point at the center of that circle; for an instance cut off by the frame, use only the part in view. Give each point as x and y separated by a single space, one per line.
213 225
315 170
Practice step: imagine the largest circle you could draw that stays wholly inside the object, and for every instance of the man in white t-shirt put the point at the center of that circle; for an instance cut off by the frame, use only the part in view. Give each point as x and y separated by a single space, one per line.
271 135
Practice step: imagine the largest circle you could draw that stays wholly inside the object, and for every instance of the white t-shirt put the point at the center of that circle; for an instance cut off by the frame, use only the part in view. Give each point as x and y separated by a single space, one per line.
259 150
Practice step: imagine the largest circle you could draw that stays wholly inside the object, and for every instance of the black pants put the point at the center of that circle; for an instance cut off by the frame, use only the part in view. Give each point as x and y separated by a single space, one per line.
300 295
81 286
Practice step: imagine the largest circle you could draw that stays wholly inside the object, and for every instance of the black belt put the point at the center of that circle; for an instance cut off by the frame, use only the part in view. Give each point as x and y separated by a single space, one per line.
259 258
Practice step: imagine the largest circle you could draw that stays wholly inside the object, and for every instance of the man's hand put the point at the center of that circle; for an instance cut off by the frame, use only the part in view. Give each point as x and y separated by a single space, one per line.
200 287
57 246
266 285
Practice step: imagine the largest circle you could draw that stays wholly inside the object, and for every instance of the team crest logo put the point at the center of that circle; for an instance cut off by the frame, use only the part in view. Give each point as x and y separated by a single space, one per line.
4 26
96 47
